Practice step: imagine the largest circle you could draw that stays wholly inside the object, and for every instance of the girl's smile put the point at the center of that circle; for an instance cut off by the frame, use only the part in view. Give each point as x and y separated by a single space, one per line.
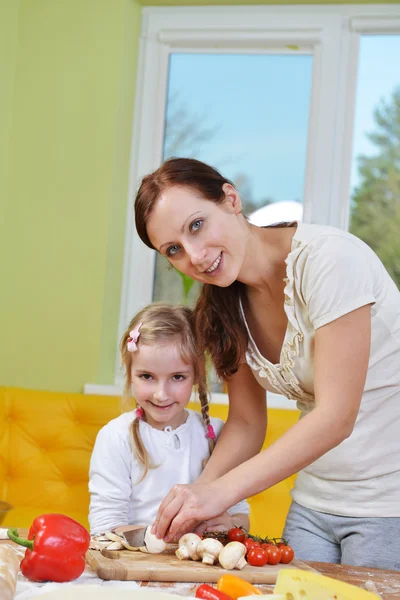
163 406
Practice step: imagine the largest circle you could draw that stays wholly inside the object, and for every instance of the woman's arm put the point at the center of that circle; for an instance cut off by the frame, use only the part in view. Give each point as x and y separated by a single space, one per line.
244 431
341 362
241 438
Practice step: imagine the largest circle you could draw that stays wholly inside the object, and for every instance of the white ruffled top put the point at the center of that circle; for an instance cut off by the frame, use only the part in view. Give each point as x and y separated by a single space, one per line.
282 378
330 273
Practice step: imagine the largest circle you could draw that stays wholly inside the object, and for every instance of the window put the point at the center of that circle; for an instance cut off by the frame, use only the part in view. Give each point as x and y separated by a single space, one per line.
247 115
375 180
313 55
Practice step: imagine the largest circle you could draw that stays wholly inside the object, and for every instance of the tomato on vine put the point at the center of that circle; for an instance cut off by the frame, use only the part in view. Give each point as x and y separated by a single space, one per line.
249 543
236 535
257 557
287 554
266 545
274 555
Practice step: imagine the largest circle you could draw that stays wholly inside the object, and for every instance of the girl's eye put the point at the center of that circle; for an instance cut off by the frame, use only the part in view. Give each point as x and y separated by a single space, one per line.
172 250
145 376
195 226
178 377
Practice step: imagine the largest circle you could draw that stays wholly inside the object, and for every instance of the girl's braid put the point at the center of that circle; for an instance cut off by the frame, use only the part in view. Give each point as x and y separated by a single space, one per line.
203 397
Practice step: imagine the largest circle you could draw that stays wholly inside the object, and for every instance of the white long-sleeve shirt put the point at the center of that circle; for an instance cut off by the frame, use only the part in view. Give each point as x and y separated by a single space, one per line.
117 497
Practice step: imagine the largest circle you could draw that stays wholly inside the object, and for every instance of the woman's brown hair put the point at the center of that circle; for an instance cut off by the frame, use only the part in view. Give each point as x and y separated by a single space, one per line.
164 323
219 324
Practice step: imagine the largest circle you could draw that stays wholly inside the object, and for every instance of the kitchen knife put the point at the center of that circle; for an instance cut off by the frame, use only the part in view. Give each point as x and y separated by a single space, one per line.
135 536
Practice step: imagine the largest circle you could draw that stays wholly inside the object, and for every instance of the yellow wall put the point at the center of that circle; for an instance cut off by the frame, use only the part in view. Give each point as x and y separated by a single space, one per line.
67 73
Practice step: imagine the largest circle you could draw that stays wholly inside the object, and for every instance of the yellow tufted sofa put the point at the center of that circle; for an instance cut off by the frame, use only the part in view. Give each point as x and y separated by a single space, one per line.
46 439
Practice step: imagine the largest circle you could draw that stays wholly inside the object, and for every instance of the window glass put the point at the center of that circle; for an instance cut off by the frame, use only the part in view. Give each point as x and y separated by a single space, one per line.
375 182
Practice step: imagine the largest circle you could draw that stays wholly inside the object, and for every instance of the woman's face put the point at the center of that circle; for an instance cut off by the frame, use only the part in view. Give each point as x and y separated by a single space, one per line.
200 238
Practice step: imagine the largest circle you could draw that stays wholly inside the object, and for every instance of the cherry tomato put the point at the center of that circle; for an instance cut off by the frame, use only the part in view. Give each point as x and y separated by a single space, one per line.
257 557
266 545
274 555
249 543
236 535
287 554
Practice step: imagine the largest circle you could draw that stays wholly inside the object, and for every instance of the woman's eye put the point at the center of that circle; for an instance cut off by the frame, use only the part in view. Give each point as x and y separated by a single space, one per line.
172 250
145 376
195 226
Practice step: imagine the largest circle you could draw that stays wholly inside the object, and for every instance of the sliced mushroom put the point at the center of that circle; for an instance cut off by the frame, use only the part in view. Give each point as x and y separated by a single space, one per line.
101 538
209 550
115 546
188 544
232 556
98 545
109 540
114 537
128 546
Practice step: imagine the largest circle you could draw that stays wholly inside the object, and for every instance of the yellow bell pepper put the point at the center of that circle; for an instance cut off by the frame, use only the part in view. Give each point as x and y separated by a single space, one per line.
235 587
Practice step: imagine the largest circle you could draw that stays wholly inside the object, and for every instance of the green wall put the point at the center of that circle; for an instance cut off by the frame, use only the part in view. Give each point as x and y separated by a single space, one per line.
257 2
67 73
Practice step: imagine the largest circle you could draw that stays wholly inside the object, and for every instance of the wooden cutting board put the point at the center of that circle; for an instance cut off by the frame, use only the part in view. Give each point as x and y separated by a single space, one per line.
137 566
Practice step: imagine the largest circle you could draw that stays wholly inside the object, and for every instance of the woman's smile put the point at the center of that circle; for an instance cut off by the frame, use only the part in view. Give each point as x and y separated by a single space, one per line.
215 267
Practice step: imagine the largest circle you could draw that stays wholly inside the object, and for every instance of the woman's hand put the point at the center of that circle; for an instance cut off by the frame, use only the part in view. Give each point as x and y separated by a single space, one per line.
186 506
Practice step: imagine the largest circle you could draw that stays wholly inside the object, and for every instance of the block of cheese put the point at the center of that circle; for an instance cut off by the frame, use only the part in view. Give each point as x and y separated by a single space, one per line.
295 584
266 597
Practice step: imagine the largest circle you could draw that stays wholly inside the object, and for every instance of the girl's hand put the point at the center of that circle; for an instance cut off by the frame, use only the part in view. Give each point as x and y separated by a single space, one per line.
185 507
223 522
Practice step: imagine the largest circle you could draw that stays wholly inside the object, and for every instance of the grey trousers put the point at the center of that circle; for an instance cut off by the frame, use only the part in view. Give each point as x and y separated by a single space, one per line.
357 541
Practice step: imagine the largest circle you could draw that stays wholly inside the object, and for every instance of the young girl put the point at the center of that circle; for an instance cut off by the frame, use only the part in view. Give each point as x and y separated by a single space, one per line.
139 456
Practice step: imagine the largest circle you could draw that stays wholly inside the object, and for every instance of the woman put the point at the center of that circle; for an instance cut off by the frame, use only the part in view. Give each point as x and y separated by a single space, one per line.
307 311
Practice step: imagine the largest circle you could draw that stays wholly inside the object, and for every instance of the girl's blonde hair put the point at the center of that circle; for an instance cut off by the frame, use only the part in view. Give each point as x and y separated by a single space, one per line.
164 323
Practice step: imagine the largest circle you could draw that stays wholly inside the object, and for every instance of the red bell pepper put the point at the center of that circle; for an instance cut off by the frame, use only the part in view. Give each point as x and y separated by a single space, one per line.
207 592
56 548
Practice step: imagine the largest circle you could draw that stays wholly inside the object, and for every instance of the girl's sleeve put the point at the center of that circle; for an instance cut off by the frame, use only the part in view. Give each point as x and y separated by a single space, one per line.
243 506
110 483
337 278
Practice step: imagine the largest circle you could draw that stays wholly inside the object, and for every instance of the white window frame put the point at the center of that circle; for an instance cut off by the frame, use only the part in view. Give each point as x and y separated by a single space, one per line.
330 33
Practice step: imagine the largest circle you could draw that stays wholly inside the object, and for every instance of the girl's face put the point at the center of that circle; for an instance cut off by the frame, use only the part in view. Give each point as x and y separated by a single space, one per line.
200 238
162 383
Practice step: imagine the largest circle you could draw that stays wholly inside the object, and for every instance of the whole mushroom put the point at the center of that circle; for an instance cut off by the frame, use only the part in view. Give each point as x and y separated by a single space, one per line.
152 545
232 556
209 550
188 544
